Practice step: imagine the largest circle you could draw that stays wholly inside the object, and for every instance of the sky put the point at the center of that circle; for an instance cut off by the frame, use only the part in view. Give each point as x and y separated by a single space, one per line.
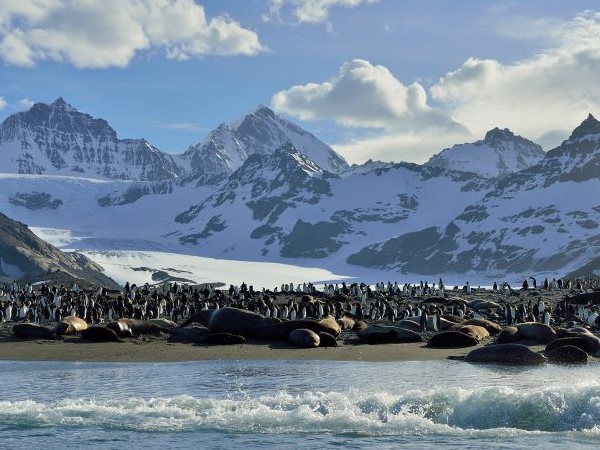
394 80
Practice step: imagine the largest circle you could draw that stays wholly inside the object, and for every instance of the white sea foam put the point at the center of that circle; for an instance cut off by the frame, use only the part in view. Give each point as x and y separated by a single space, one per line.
489 411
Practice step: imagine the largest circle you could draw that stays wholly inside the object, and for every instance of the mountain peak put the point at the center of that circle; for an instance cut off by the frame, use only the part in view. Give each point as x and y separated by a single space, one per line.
61 105
497 135
590 126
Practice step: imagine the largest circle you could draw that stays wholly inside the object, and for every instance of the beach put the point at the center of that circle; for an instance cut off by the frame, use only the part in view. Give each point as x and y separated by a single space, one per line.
158 349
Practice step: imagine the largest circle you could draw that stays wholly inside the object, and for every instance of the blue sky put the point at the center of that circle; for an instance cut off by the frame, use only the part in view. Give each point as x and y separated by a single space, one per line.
389 79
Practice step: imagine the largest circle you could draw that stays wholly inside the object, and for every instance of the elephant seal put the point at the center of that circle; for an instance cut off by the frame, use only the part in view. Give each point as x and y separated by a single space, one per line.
588 344
202 317
195 334
492 327
360 325
452 339
238 321
536 331
100 334
29 330
224 339
378 334
405 336
281 330
165 323
70 325
476 331
303 337
508 335
134 327
346 323
327 340
514 354
567 354
408 324
385 334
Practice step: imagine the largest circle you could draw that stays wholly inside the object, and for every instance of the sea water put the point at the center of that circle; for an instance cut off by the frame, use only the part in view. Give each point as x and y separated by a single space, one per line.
297 404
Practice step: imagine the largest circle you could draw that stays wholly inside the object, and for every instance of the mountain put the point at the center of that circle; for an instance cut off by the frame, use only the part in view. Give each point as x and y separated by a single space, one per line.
499 154
377 219
57 139
24 256
542 219
285 206
261 132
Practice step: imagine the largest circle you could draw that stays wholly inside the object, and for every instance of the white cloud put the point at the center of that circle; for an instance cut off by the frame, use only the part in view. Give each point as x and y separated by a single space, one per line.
368 97
550 92
2 103
308 11
394 147
109 33
364 95
26 103
542 97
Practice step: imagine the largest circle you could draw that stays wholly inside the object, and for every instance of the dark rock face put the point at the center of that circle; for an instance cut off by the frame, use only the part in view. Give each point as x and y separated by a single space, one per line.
35 200
25 256
58 139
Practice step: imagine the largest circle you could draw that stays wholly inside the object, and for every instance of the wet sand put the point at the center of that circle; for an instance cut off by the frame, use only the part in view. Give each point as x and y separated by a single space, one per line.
151 349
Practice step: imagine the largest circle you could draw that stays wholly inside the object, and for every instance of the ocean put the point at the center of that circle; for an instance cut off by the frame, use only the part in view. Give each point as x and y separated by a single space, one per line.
297 404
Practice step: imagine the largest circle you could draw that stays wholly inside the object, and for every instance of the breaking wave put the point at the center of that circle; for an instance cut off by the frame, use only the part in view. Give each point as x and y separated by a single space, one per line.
496 411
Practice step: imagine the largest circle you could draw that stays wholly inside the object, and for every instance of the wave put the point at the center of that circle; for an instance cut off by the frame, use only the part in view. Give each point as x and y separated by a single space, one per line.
486 411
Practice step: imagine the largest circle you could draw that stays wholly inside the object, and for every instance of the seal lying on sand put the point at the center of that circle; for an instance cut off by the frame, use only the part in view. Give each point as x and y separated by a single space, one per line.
100 334
134 327
536 331
32 331
223 339
492 327
452 339
476 331
195 334
327 340
567 354
70 325
514 354
588 344
303 337
382 334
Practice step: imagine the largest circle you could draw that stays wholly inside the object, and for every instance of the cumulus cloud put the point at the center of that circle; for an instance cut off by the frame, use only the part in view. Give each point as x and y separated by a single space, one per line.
109 33
308 11
364 95
2 103
369 97
26 103
537 97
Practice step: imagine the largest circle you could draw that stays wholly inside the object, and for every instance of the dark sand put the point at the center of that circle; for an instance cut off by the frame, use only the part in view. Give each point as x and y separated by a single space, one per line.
152 349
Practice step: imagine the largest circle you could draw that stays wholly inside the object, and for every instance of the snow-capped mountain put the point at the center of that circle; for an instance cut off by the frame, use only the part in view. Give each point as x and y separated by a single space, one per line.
57 139
282 205
285 206
261 132
542 219
499 154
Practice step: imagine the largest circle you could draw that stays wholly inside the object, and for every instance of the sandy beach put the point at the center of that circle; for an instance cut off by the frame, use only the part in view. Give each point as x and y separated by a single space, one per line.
158 349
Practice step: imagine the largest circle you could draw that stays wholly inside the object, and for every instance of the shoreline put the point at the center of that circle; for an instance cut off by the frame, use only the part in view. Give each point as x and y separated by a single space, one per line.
161 351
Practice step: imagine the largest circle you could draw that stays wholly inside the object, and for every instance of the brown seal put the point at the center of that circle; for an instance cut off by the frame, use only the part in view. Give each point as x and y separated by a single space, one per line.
303 337
512 354
29 330
100 334
70 325
452 339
